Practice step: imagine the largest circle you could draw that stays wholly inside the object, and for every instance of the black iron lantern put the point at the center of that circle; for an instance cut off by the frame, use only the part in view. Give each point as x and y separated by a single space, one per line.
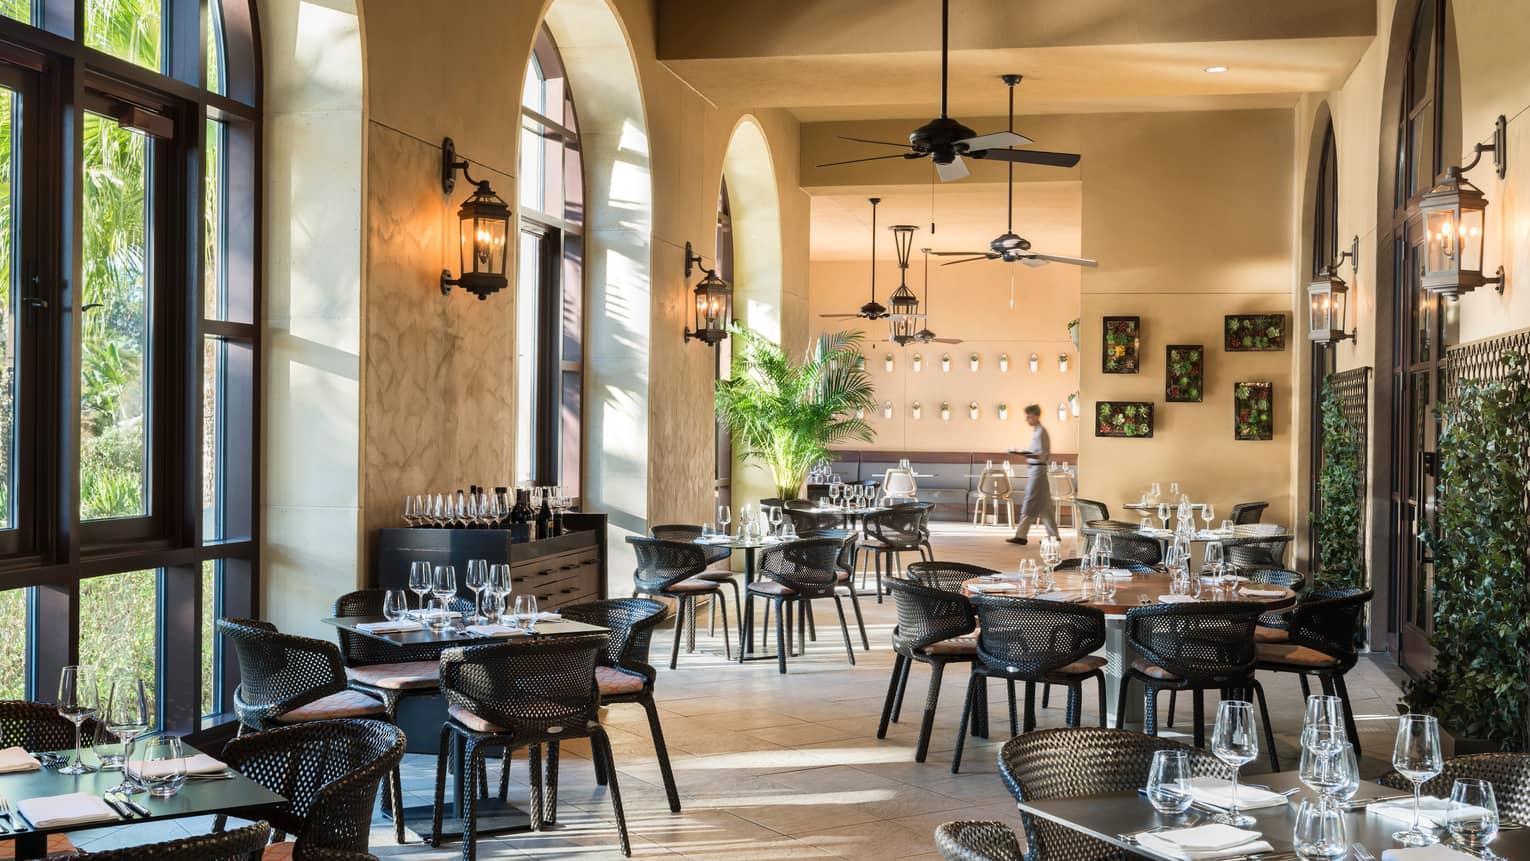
1327 298
714 303
903 306
1452 214
485 231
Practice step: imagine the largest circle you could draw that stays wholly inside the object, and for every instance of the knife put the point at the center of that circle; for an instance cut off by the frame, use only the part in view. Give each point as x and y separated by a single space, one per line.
136 807
116 807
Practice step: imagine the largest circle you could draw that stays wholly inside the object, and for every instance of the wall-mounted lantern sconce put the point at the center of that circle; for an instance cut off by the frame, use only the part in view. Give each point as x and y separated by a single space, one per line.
973 411
485 229
1035 363
1003 412
918 362
945 362
714 302
1452 214
1062 412
915 410
887 409
974 361
887 363
1062 363
1328 300
1073 403
1003 363
945 411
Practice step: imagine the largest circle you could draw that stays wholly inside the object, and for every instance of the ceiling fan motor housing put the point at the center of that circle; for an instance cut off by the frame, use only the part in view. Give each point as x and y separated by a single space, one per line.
1009 242
938 137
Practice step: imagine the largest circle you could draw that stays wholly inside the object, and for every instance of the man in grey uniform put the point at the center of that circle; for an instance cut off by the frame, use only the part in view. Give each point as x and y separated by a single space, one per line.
1037 504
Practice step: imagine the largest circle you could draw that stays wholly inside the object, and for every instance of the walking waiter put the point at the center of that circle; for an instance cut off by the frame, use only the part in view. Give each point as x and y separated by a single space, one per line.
1037 504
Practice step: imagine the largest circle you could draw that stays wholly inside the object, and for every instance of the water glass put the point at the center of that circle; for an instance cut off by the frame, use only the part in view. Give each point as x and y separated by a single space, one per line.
1472 815
706 530
436 614
160 765
78 699
1235 741
1319 830
788 531
443 584
1168 785
1416 755
1227 527
529 621
1208 513
1030 574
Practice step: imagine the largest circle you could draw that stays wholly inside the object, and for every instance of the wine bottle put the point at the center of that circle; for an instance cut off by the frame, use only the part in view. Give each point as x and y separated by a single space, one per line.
520 516
544 520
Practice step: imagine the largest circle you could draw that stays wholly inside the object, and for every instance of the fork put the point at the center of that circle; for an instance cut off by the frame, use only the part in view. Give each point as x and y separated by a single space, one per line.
5 812
1361 853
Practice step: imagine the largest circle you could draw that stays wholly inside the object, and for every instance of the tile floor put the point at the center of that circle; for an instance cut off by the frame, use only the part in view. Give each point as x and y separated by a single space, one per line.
785 767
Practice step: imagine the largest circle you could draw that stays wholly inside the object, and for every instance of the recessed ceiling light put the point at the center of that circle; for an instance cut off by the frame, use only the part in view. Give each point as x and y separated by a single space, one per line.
1216 70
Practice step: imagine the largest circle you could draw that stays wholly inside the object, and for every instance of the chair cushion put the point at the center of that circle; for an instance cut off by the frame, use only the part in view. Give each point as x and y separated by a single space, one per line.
58 847
1290 654
715 575
471 720
693 584
1263 634
770 587
613 682
955 646
1151 670
1086 664
409 675
279 851
346 704
871 543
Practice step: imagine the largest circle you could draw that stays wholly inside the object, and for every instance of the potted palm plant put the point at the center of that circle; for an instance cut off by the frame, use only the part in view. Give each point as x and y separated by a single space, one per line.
785 415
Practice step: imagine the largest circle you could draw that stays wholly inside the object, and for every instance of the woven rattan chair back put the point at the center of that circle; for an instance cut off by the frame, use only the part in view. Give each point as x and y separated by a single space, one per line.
676 531
810 566
1293 580
534 688
799 504
241 844
1090 510
279 672
1026 638
1128 545
359 651
1073 563
38 726
946 575
977 841
1209 644
328 771
811 521
1256 551
661 564
928 615
994 483
1508 772
630 623
1076 763
900 527
1248 512
1327 621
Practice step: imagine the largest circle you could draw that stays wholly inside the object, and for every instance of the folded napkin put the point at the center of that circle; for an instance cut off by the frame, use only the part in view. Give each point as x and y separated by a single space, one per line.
199 764
58 811
14 759
1177 599
1263 593
714 539
992 587
491 630
1063 597
391 627
1215 792
1205 842
1437 852
1212 578
1432 810
1118 574
545 616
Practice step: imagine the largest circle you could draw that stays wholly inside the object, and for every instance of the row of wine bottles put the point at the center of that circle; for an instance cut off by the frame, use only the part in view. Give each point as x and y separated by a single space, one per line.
529 514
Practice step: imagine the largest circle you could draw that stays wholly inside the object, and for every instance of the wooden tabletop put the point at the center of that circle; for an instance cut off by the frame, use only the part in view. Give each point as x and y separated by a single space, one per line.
1143 590
560 628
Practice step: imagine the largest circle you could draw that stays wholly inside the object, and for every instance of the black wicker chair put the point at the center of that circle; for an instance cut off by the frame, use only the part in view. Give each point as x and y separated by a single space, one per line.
814 521
845 565
934 627
1127 545
717 570
1320 642
1030 640
945 575
623 674
1508 772
1079 763
39 727
520 694
792 575
1253 552
329 772
1073 563
672 569
388 671
887 535
798 504
975 840
1194 647
1248 512
1091 509
241 844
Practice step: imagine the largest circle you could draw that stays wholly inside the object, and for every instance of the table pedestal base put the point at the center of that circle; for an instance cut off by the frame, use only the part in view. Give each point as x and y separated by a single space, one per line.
494 817
1119 652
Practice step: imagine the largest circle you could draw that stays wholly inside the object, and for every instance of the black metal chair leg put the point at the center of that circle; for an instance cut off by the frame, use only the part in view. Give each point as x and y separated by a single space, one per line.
876 559
860 622
812 629
1030 707
1199 713
674 654
961 730
602 747
1149 709
443 757
727 641
931 701
662 751
744 629
600 771
1014 718
550 786
1173 700
1075 704
1306 688
782 644
1121 701
1046 696
1349 714
844 628
765 627
1269 733
1101 679
897 711
892 691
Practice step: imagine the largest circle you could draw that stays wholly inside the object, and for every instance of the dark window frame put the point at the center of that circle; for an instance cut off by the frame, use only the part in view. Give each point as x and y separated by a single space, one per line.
1324 359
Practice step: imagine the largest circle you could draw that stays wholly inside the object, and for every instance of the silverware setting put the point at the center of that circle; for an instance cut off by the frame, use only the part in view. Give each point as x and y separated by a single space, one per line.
1359 803
1360 852
7 814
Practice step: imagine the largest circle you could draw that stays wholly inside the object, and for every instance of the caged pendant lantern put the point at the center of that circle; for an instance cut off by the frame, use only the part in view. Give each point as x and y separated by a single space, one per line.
903 306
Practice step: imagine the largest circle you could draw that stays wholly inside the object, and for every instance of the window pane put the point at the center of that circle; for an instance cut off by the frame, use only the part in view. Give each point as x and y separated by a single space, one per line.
211 577
114 415
215 47
527 309
13 643
532 167
214 361
119 628
129 29
21 10
10 112
215 228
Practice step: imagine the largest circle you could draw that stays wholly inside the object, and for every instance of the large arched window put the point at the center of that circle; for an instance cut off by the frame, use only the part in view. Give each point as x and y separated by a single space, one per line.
722 448
1325 247
549 300
128 343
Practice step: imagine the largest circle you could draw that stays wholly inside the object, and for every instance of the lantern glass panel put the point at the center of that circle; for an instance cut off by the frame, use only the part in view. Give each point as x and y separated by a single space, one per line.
1443 250
1320 297
1469 239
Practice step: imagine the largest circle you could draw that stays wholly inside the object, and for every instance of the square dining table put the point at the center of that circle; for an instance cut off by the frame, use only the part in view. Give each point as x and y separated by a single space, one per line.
236 796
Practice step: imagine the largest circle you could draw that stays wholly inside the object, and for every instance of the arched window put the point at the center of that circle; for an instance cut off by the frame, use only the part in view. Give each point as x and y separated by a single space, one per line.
128 343
722 464
1325 247
549 299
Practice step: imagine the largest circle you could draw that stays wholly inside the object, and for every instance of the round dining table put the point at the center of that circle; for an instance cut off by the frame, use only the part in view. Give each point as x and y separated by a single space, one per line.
1140 590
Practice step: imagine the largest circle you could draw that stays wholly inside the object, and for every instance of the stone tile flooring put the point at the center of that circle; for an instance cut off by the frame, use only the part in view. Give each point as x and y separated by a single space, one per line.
785 767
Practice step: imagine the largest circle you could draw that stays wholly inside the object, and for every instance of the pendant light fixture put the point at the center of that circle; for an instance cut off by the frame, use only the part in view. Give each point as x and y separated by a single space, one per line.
904 319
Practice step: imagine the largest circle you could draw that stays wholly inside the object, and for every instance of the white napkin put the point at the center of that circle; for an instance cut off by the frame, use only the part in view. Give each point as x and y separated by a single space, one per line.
14 759
491 630
1437 852
1118 574
1177 599
391 627
58 811
1216 792
1205 842
545 616
1063 597
992 587
1263 593
1212 578
1432 810
198 764
713 539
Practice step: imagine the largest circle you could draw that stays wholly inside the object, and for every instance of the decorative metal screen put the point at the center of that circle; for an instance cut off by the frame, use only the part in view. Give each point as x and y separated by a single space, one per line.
1482 360
1353 389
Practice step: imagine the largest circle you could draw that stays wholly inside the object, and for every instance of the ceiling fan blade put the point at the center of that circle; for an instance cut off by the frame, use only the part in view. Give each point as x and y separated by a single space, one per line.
1059 258
1029 156
957 169
997 140
840 315
1033 262
970 259
872 158
868 140
946 340
957 253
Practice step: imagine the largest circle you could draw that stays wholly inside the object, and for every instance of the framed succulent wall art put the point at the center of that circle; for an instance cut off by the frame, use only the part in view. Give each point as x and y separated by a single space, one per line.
1254 333
1131 419
1253 411
1184 373
1120 345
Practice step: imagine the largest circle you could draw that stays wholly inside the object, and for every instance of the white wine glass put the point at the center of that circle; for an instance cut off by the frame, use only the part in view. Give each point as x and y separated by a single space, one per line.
1208 513
78 699
530 623
724 517
1416 755
1235 741
419 581
1163 515
443 584
1323 724
499 588
126 717
477 579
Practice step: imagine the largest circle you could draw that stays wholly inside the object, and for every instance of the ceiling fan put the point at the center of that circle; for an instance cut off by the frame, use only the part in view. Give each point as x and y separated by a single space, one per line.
874 310
925 336
945 140
1009 246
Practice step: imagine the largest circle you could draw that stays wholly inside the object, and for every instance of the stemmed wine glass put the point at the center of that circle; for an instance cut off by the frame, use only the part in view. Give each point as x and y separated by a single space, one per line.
1213 562
1235 741
443 584
477 580
776 516
77 700
1155 492
1174 490
1051 555
1323 724
419 581
724 517
127 717
1208 511
834 492
1416 756
411 516
498 587
1163 515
